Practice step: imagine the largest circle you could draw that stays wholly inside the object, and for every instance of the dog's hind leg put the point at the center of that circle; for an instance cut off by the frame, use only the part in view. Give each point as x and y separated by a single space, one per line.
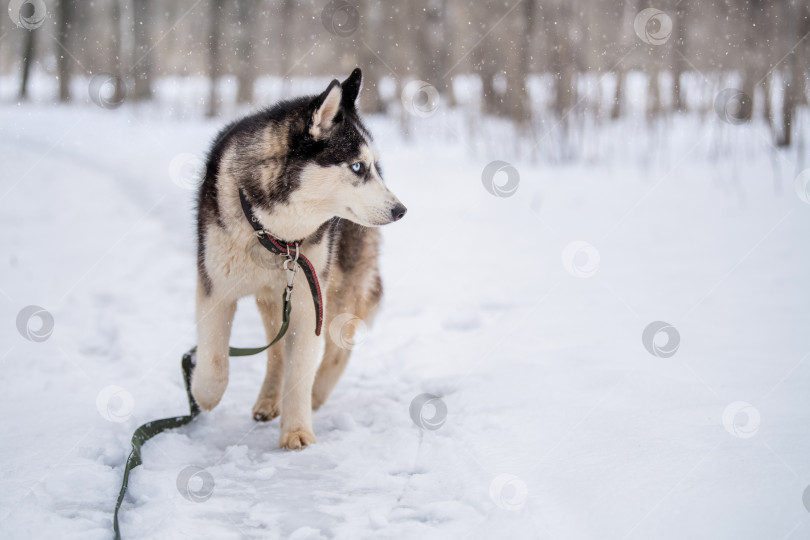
335 359
268 404
340 339
214 318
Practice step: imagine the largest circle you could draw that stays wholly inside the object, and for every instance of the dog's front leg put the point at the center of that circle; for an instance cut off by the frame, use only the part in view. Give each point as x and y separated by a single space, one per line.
214 318
300 361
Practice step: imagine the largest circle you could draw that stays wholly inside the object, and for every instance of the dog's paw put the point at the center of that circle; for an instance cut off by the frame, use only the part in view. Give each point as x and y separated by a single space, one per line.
207 390
266 409
296 440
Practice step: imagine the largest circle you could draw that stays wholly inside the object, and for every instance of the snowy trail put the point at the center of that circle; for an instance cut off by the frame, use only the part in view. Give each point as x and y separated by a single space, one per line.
543 373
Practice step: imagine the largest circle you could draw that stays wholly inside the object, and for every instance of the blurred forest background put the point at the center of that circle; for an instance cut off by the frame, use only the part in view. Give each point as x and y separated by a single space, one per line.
534 65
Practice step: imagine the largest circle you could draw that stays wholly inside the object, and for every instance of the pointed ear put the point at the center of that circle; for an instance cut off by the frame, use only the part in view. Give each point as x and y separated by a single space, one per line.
326 107
351 88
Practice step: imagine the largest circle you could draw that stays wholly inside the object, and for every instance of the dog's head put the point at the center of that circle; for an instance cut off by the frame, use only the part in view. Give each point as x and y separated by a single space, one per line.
332 157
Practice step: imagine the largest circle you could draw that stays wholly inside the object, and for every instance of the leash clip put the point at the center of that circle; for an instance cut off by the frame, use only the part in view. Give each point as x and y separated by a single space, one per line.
289 255
291 271
291 266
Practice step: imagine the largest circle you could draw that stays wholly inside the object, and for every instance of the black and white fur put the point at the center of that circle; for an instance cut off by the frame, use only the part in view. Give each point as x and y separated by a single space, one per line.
309 170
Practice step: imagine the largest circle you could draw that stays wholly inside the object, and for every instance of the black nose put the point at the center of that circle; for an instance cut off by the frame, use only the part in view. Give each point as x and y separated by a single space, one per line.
398 211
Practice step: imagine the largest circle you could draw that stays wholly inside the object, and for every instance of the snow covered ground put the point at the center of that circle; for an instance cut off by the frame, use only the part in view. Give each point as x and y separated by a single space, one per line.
560 424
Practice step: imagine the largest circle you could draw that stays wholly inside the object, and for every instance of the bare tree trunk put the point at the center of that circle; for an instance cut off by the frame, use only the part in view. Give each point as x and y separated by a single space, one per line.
767 106
488 93
654 94
564 87
803 54
749 84
370 100
421 20
624 36
794 85
756 25
484 57
142 50
28 55
446 86
562 65
518 105
286 45
213 57
789 101
116 46
616 110
65 12
246 76
678 62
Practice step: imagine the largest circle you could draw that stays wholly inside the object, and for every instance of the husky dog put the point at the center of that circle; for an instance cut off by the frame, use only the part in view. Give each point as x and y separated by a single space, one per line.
309 172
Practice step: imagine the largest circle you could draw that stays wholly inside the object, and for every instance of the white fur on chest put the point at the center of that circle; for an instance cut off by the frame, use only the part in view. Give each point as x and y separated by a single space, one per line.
238 265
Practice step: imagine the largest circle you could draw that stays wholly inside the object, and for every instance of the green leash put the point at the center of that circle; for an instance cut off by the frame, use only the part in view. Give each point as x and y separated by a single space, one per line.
150 429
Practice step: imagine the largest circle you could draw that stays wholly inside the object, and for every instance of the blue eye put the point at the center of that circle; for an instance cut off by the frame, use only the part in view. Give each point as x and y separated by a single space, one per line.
359 167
